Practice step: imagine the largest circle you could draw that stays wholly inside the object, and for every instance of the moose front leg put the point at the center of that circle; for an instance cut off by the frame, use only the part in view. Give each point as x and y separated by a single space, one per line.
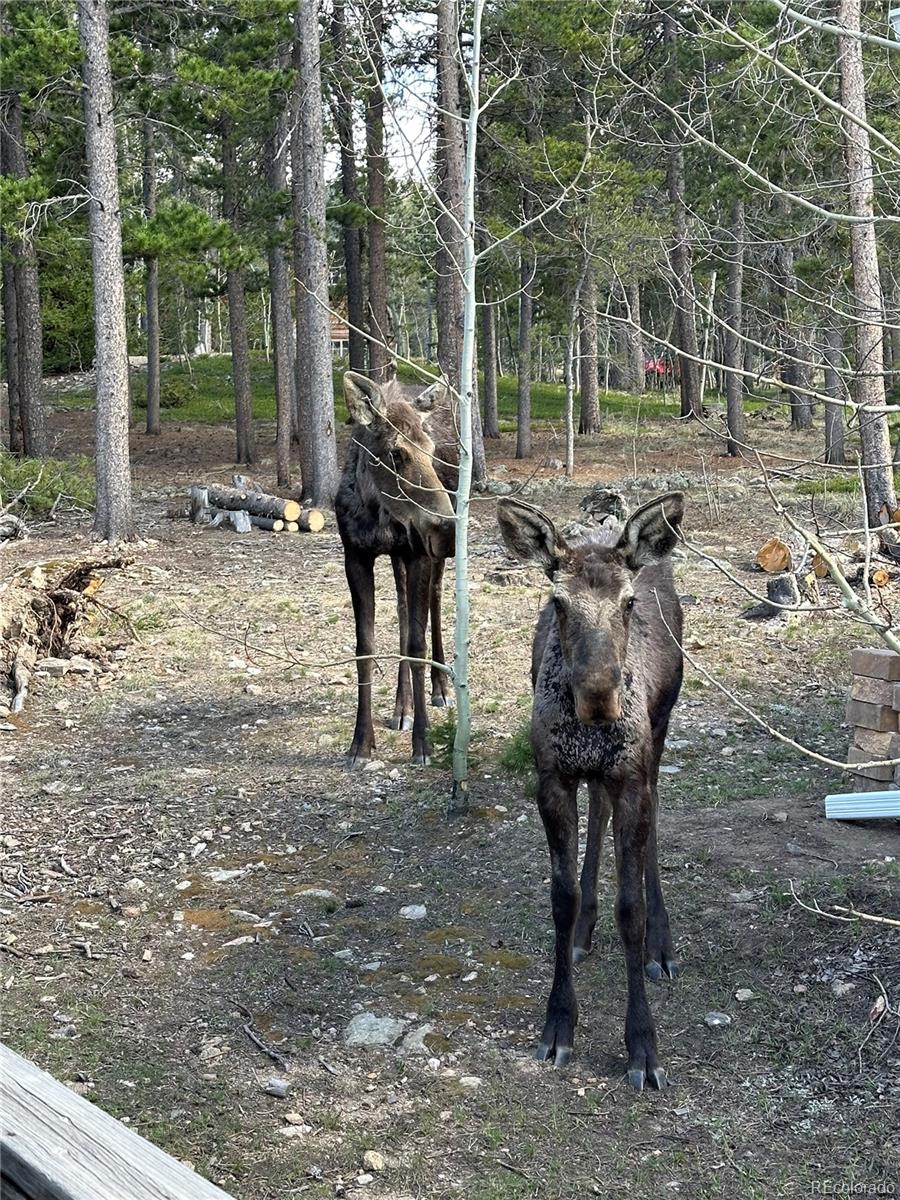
418 587
403 704
361 580
632 822
598 819
557 801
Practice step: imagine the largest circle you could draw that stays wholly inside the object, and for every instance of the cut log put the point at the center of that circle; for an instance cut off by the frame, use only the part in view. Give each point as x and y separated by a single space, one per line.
291 527
273 524
775 556
259 504
880 578
311 520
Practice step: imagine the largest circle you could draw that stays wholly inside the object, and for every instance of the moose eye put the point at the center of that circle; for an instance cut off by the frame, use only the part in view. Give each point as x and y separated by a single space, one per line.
397 459
628 606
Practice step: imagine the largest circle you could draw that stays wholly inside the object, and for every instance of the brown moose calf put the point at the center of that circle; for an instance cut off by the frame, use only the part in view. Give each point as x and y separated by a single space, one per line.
606 672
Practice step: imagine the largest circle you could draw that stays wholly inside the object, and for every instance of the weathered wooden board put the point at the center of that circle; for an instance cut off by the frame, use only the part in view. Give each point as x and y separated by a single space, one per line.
54 1145
860 806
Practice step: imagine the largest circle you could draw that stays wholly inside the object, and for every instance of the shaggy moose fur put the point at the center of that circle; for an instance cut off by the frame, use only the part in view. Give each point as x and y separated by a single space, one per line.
392 500
606 673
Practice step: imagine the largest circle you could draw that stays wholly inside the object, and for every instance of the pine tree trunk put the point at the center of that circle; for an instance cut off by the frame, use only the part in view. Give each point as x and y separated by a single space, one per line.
489 362
279 286
351 234
834 386
589 419
526 312
318 446
113 518
11 353
869 386
451 167
634 338
237 305
734 306
28 303
380 366
685 304
151 265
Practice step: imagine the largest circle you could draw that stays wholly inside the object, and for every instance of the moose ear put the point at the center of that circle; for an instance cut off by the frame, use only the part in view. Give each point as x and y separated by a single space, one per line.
365 401
651 531
437 393
530 535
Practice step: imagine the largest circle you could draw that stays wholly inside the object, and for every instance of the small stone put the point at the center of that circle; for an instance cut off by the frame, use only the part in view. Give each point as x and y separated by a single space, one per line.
56 787
842 987
253 689
364 1180
743 995
374 764
671 769
345 955
294 1118
716 1020
276 1086
373 1161
471 977
368 1030
470 1082
380 890
778 817
371 966
133 885
293 1131
742 897
413 912
315 893
244 940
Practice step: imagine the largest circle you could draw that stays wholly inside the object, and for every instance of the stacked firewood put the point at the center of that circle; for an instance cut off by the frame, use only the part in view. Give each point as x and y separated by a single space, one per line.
874 712
245 506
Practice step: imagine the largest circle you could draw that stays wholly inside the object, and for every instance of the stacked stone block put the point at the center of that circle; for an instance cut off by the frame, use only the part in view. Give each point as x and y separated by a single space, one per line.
874 712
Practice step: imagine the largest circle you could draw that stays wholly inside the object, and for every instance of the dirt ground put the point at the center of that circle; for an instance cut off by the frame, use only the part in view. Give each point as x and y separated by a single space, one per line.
197 897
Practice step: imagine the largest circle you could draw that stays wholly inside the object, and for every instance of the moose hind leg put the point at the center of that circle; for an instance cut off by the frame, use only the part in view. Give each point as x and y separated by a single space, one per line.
403 704
598 819
559 812
660 950
418 579
632 820
441 689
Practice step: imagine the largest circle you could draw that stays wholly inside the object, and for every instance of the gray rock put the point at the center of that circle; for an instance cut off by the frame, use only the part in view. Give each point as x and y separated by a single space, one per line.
276 1086
717 1020
368 1030
414 1042
497 487
413 912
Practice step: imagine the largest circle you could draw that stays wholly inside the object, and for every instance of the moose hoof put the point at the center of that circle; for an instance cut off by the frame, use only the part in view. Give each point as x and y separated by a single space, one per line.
656 1078
579 954
403 723
356 762
559 1054
655 971
421 760
438 700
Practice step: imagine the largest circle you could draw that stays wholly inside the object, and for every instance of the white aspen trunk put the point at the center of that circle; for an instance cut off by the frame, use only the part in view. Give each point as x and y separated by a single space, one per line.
318 447
710 302
460 797
878 473
113 518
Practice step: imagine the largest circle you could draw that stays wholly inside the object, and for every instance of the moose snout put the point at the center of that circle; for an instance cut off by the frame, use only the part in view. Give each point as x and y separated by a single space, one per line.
598 700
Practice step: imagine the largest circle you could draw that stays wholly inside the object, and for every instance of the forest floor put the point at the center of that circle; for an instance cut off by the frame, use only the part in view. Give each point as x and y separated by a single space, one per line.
186 858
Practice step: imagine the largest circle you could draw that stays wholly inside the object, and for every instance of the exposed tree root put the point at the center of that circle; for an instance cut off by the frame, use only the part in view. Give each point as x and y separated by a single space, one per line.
41 609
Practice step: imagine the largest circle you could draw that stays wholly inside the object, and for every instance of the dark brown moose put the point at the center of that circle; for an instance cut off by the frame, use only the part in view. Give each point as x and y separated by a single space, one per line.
606 673
395 498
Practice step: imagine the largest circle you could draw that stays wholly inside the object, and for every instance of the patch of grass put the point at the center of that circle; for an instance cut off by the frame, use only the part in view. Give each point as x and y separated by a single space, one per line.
46 479
842 484
517 756
201 393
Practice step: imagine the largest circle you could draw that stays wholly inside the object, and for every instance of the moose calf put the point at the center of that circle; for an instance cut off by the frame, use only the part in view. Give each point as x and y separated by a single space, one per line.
606 674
